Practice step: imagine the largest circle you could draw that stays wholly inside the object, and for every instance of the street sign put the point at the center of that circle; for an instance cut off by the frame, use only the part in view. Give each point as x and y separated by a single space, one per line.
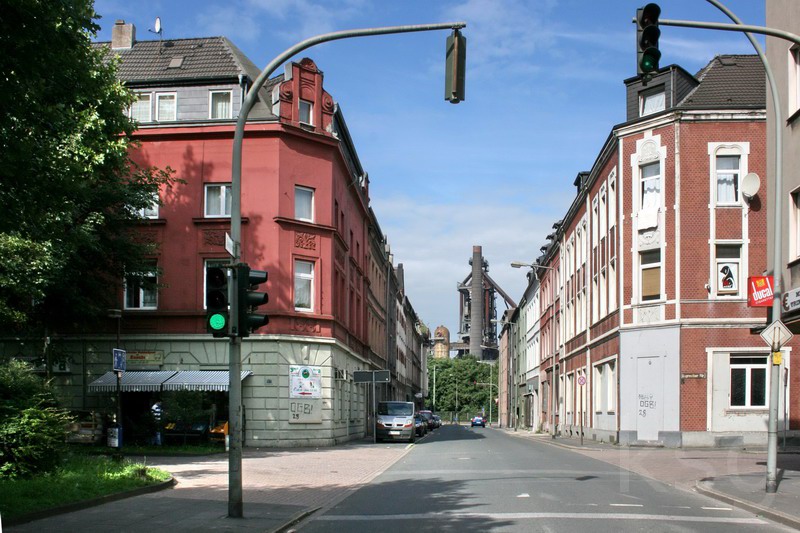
362 376
776 335
382 376
229 245
120 360
581 380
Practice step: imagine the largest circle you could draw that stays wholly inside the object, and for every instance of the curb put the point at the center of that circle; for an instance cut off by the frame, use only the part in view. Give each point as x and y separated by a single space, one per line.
294 519
775 516
85 504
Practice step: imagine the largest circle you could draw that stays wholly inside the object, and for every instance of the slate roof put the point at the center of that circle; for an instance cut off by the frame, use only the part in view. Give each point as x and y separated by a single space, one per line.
191 59
187 61
729 81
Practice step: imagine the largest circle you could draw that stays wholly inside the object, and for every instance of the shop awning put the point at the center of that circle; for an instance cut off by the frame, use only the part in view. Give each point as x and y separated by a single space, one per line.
203 380
133 381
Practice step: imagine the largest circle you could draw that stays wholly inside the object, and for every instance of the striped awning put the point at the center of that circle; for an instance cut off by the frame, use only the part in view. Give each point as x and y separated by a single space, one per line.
203 380
133 381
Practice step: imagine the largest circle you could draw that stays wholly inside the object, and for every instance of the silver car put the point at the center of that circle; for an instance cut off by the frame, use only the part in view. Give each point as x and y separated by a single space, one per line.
395 421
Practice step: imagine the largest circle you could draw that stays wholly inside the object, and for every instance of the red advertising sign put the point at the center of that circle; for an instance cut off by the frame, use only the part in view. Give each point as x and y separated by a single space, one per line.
759 291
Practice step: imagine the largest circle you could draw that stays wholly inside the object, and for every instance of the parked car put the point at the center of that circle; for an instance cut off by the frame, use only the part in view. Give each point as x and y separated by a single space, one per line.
478 421
420 425
437 420
428 416
395 421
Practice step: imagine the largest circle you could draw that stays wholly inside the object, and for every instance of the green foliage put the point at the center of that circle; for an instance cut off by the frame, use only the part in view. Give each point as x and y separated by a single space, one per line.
71 192
78 478
461 384
32 428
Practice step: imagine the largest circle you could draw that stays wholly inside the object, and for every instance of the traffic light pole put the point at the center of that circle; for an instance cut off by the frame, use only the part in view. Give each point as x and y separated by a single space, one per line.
772 442
235 507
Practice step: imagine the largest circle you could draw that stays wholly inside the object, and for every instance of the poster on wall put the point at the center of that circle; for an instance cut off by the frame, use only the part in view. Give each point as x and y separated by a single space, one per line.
727 277
305 382
759 291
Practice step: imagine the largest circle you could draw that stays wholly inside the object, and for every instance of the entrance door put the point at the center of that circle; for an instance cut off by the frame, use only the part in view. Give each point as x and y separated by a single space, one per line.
649 388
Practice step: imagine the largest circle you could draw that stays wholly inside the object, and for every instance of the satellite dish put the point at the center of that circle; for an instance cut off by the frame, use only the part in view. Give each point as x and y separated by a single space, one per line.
158 24
750 185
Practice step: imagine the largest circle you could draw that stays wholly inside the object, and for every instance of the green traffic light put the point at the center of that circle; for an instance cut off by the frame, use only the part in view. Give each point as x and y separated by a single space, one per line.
217 321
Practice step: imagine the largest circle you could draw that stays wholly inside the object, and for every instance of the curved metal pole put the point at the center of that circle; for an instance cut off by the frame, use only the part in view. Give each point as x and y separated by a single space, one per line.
777 270
235 502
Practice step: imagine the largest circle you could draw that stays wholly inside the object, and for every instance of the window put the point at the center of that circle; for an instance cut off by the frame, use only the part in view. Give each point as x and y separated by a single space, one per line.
651 185
152 210
304 204
595 222
141 290
306 112
652 101
276 100
142 109
650 262
612 202
749 385
212 263
303 285
218 200
166 107
220 104
728 259
794 80
727 179
795 218
612 284
612 387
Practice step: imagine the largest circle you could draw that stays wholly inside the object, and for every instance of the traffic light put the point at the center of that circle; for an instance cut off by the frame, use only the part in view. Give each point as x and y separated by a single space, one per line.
455 68
217 312
647 34
249 299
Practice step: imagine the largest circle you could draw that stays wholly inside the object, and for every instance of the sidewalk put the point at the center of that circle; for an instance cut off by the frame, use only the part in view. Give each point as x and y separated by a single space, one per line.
280 486
734 476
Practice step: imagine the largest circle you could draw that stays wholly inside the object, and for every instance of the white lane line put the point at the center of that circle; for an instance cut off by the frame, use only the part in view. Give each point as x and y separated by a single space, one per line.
524 495
676 507
717 508
626 505
529 516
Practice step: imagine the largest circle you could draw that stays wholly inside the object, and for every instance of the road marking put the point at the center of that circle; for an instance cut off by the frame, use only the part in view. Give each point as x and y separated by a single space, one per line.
524 495
529 516
717 508
626 505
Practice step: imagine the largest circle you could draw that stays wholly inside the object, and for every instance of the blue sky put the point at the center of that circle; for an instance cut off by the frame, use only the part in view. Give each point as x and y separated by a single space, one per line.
544 88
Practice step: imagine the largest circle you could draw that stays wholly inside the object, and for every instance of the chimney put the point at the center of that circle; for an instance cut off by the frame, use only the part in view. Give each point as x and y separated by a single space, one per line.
122 35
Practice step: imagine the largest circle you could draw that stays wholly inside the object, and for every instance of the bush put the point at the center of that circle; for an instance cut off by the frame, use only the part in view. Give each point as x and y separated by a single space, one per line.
32 427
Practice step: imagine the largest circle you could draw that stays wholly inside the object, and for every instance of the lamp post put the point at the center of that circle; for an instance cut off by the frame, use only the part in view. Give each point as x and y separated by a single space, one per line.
235 506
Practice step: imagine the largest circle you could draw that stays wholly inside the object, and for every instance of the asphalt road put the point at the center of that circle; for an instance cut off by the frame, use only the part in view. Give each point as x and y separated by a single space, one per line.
475 479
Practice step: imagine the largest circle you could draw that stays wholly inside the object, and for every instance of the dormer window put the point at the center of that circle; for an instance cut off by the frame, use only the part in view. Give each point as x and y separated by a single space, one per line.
306 112
220 104
652 101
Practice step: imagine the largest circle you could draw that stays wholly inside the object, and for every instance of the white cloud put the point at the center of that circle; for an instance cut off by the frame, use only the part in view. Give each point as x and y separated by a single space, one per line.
433 239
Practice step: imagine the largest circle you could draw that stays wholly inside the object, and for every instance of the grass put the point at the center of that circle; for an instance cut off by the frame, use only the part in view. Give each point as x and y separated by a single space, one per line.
142 450
80 478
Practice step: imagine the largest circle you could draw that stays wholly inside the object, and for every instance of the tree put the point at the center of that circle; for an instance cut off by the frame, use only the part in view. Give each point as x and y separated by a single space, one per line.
464 377
70 192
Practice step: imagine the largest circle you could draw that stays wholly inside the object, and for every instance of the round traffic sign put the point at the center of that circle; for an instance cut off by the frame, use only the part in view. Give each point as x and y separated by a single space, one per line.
581 380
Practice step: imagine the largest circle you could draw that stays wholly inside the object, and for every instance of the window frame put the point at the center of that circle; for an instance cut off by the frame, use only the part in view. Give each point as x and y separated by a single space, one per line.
226 192
139 96
306 277
211 94
153 214
719 262
310 207
737 179
141 291
648 94
642 180
749 367
794 217
159 96
657 265
310 105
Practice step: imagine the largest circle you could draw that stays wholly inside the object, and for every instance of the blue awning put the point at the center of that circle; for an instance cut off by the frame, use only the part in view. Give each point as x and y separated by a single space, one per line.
168 380
133 381
203 380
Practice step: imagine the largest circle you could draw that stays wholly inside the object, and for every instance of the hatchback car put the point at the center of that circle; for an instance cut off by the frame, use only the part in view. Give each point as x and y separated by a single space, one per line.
428 417
420 425
478 421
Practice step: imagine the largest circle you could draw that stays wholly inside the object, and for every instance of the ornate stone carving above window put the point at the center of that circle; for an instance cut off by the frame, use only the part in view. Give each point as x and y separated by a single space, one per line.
650 314
307 241
214 237
648 152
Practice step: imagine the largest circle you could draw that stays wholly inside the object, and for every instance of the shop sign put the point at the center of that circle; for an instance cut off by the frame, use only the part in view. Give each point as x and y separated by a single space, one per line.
791 300
145 358
759 291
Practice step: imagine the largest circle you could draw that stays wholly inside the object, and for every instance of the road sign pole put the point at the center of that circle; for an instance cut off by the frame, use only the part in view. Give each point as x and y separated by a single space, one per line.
374 412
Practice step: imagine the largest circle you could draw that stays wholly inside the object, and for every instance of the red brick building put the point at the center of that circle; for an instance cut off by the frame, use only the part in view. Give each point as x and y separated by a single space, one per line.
648 290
